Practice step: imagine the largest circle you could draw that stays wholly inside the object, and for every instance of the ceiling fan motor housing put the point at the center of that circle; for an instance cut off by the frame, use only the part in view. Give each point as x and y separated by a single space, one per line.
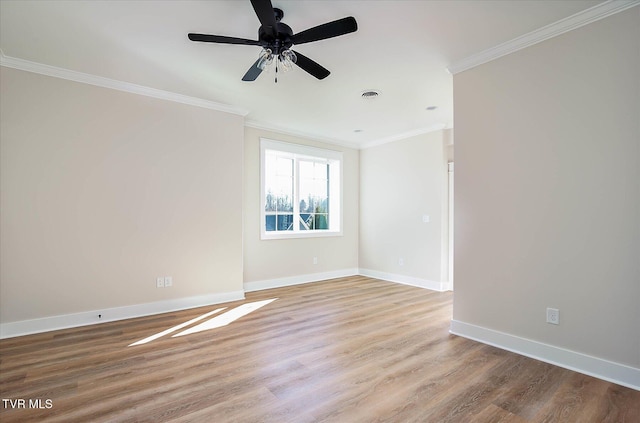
282 40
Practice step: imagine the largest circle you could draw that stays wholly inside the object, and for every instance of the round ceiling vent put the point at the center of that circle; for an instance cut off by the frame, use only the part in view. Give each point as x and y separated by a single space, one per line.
370 94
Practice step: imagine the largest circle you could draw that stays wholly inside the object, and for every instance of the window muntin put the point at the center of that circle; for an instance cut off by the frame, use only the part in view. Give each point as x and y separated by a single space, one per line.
300 191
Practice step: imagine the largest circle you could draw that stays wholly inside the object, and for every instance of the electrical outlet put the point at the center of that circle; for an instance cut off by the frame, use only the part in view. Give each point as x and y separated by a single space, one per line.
168 281
160 282
315 260
401 262
553 316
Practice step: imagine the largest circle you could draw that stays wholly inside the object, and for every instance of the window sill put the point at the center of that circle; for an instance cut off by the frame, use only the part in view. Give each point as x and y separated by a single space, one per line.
297 235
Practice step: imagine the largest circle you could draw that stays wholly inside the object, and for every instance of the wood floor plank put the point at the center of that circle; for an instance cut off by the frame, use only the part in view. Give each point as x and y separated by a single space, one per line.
346 350
495 414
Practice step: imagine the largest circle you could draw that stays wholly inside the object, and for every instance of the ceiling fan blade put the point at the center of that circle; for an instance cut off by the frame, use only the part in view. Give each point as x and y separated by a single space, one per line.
328 30
311 66
206 38
253 72
266 15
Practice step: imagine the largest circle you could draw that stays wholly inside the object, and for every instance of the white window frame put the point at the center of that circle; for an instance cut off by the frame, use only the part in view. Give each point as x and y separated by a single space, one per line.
303 152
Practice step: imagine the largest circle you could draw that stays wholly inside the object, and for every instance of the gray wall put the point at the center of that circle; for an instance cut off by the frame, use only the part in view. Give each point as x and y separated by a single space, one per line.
102 191
400 182
547 146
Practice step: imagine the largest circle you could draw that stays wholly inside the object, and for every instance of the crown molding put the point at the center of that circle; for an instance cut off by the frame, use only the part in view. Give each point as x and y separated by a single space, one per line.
404 135
85 78
585 17
285 131
357 146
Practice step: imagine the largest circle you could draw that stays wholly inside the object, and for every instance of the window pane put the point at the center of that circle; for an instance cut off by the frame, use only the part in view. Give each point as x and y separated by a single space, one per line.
270 222
306 169
320 171
285 194
320 189
321 221
278 183
306 222
270 203
269 181
285 222
313 189
285 167
313 221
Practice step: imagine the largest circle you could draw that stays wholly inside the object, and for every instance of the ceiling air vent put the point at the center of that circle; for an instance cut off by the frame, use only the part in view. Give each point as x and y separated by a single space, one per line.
370 94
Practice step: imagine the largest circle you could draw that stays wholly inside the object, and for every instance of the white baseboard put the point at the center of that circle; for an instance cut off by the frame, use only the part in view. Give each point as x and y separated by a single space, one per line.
406 280
46 324
296 280
581 363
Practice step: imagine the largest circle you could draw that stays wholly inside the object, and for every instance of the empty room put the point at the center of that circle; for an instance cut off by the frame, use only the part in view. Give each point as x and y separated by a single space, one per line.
320 211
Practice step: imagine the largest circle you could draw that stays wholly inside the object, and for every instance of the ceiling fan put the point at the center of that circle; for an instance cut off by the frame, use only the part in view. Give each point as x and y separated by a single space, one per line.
276 39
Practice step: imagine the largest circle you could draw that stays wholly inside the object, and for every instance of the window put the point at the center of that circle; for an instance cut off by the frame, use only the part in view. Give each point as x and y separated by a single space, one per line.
301 191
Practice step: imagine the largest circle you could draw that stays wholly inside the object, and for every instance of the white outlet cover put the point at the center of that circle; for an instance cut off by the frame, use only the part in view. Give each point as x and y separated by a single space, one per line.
168 281
426 218
160 282
553 316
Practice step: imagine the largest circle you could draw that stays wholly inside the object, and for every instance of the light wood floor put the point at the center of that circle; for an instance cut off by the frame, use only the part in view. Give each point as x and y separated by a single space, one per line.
346 350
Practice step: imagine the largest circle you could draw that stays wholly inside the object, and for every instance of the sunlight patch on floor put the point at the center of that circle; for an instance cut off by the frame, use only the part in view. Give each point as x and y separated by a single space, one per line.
217 322
175 328
226 318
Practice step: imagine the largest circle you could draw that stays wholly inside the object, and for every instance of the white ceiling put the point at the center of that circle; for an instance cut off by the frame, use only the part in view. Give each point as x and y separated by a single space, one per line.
401 48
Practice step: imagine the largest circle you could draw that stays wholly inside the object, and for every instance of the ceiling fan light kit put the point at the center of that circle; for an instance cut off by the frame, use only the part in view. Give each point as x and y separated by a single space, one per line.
276 39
